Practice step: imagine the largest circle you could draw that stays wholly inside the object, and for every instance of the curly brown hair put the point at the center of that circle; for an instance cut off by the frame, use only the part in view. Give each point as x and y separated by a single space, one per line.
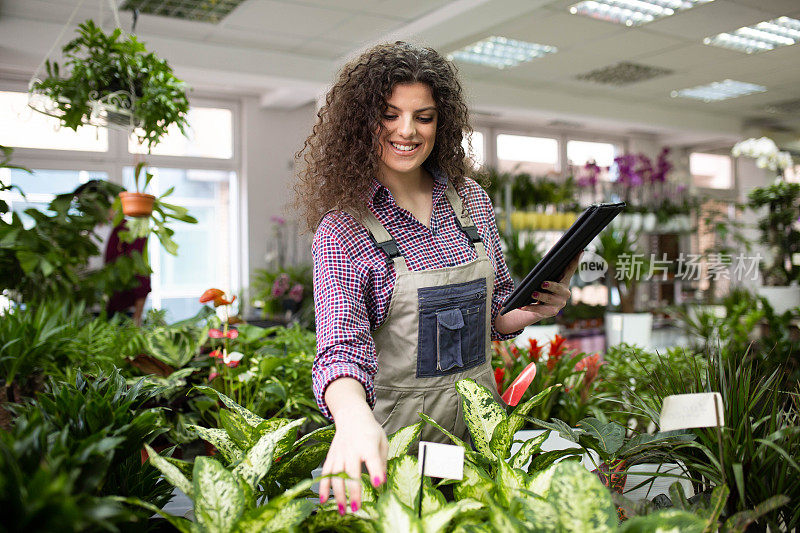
342 154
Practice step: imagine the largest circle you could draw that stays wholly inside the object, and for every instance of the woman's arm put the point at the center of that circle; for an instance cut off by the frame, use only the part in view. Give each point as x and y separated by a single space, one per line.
359 438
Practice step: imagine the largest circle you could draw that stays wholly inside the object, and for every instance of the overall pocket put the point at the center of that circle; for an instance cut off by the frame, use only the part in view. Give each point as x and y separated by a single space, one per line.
452 330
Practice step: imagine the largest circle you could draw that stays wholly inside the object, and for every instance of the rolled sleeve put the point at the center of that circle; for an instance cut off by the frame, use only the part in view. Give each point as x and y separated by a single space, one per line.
344 345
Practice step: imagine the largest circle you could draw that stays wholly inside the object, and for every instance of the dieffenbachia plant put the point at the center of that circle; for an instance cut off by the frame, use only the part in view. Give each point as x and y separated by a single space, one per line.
257 458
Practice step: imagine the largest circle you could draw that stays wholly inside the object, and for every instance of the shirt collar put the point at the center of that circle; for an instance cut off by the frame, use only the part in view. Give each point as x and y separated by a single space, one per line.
377 190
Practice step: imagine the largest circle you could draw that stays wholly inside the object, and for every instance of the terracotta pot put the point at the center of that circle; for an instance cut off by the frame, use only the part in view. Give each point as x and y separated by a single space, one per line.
137 204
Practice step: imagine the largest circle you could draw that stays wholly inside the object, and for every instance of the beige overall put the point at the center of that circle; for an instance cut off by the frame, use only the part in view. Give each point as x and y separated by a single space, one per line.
437 331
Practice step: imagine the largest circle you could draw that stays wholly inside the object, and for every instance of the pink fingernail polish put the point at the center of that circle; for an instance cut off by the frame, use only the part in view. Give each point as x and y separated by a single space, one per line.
376 481
545 284
535 294
341 509
354 506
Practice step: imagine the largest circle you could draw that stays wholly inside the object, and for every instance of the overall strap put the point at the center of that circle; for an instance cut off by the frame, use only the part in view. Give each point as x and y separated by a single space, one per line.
464 221
381 238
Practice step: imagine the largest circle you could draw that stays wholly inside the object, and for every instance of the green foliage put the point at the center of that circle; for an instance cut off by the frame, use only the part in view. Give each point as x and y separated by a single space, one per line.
100 65
619 247
74 448
271 291
759 454
176 344
522 252
48 260
778 230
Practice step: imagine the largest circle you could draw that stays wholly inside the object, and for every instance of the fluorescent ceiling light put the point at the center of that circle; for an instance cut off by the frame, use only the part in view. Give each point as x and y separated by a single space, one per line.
500 52
632 12
719 90
767 35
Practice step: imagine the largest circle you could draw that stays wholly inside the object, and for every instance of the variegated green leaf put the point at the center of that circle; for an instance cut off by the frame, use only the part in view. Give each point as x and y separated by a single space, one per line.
257 461
251 418
476 484
528 448
502 438
509 482
404 480
517 417
219 439
719 497
218 499
642 441
432 422
286 443
538 516
481 413
438 520
539 483
268 519
292 469
171 472
324 434
432 499
402 439
610 436
545 459
667 521
185 467
394 516
581 501
181 524
238 430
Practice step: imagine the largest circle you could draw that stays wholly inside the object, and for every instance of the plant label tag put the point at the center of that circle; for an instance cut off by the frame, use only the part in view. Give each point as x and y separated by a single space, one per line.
683 411
441 460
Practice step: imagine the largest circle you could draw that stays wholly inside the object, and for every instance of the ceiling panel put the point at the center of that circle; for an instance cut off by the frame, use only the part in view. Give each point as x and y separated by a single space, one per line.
554 28
360 28
774 7
405 9
294 19
323 48
632 43
271 40
686 57
708 19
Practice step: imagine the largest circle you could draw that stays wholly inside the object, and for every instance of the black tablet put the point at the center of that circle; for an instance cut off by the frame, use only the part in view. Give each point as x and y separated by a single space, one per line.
552 266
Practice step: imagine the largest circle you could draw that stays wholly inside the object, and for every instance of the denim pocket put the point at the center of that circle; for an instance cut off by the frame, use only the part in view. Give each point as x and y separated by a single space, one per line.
452 328
448 339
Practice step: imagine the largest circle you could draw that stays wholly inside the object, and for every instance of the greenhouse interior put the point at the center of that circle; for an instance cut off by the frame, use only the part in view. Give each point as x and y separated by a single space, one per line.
429 266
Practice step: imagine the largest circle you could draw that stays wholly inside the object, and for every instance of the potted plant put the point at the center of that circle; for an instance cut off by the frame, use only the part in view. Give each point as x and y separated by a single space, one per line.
781 270
626 263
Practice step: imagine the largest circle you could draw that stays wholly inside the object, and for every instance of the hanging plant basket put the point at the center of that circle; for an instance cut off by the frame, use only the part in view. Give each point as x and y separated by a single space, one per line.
110 80
137 204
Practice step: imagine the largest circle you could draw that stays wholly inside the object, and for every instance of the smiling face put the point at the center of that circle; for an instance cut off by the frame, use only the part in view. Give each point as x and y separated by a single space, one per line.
409 130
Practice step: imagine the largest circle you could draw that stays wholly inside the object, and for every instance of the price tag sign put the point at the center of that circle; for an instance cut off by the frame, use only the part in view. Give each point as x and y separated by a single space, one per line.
684 411
441 460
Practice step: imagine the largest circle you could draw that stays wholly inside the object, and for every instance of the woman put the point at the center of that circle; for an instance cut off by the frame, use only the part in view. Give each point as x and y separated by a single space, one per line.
409 275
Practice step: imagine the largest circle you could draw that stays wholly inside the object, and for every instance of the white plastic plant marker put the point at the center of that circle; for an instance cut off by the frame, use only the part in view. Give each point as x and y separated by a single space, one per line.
684 411
441 460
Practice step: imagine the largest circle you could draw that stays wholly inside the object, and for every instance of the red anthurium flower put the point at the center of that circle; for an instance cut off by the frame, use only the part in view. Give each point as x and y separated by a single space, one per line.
534 350
215 333
232 333
514 392
217 296
216 354
499 375
212 376
233 364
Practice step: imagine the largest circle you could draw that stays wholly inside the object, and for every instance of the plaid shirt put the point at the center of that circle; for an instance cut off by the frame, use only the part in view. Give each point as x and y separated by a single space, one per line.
353 284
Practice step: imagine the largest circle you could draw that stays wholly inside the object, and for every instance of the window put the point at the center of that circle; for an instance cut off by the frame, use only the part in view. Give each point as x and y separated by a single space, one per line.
210 134
535 155
203 170
579 153
478 153
792 174
22 127
711 171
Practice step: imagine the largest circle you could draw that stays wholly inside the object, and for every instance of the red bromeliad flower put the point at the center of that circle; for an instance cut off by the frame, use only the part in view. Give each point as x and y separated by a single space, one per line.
514 350
499 375
217 296
534 350
556 351
514 392
591 364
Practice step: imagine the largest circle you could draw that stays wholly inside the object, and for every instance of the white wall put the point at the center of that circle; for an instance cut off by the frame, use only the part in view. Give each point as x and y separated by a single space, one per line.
270 139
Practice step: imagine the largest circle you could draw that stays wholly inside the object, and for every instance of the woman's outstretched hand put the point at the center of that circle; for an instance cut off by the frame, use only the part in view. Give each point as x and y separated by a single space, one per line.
550 300
358 439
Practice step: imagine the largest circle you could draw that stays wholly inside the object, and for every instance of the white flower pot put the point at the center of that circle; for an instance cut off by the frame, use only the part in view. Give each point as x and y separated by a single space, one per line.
630 328
635 222
781 298
649 222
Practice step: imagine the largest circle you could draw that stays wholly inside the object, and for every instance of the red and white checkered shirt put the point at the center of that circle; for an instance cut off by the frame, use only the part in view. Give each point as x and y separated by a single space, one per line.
353 283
